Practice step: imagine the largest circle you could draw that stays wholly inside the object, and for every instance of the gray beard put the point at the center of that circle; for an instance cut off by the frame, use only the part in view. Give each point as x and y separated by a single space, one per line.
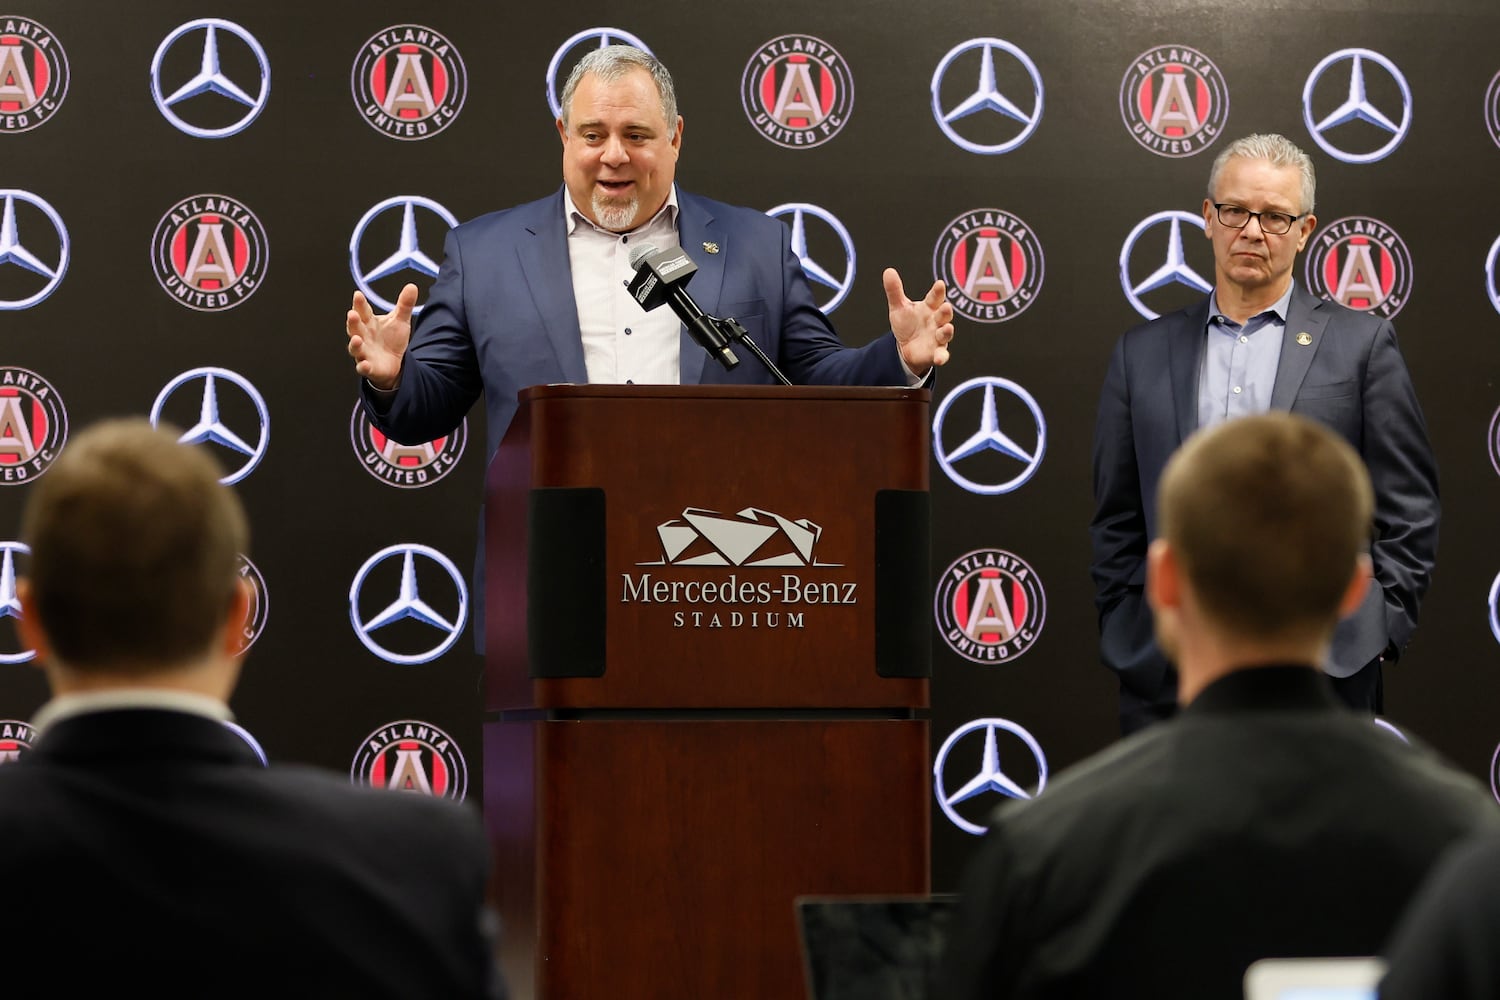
614 215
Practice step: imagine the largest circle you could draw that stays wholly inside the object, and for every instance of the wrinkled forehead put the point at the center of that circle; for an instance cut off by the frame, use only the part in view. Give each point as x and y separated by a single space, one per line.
630 94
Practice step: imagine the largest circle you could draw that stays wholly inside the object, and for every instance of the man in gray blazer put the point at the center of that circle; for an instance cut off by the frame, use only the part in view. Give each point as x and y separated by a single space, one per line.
147 850
1259 342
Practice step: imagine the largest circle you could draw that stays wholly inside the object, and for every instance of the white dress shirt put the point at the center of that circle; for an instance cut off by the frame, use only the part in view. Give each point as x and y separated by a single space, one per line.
621 341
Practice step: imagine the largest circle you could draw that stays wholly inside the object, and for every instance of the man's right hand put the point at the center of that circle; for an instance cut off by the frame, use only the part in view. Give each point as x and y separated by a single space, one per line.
376 343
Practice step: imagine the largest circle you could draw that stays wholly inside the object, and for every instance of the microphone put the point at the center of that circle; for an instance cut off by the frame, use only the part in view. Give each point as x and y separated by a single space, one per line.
661 276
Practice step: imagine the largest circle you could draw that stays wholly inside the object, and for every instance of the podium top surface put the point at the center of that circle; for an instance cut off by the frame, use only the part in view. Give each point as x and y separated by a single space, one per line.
568 390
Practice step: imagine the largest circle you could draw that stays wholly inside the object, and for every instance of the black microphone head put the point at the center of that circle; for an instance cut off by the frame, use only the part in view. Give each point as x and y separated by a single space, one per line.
641 252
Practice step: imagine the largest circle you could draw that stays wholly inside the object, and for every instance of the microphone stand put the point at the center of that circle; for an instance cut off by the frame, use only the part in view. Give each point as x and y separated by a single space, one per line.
734 332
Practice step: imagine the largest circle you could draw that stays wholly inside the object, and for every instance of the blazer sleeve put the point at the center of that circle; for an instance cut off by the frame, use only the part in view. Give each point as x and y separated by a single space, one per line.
1119 537
811 353
440 376
1403 472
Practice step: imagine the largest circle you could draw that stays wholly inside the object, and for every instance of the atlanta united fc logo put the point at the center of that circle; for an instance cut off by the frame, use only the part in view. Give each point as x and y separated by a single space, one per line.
992 264
1173 100
797 91
409 82
990 606
412 756
1361 263
407 466
33 74
33 425
209 252
16 738
1492 109
260 604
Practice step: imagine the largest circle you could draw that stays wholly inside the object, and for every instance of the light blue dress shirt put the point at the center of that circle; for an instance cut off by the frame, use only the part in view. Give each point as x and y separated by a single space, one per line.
1239 362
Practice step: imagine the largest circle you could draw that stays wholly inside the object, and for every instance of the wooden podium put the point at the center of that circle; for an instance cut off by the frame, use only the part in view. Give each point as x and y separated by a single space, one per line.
707 635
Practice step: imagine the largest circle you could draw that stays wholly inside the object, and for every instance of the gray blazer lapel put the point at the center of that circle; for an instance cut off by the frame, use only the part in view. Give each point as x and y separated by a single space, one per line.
1299 345
549 278
1185 355
697 229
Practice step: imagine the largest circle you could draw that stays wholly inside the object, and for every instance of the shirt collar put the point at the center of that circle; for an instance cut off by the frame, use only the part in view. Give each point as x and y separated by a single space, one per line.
68 705
572 216
1267 687
1278 308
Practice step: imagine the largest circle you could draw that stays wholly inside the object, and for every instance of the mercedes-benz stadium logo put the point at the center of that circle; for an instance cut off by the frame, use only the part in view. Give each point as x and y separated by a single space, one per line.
32 260
212 102
999 106
987 773
213 425
1361 117
1172 281
824 269
980 452
566 55
382 277
408 617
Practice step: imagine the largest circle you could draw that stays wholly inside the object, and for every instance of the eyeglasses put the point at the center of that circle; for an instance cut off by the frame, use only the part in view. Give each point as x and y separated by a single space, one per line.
1271 223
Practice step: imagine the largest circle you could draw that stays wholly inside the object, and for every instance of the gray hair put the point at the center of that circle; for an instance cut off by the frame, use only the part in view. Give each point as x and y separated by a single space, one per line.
613 62
1277 150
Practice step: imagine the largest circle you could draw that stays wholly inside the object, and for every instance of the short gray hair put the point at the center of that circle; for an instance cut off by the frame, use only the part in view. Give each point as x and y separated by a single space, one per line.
611 63
1275 149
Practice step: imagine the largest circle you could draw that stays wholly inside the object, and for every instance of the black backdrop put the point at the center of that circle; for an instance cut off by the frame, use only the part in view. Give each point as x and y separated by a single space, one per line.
109 337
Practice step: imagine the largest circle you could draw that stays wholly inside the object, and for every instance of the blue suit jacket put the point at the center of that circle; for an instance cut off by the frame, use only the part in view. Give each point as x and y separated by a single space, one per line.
1352 378
501 317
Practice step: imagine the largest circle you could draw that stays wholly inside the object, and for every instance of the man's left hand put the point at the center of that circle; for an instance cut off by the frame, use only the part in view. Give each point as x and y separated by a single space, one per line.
923 329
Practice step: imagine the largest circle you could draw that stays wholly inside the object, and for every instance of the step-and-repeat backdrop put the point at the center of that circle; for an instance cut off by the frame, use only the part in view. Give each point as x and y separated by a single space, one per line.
192 192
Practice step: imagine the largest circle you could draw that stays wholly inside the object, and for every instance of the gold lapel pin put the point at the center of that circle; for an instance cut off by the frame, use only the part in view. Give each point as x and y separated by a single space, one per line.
710 247
1304 338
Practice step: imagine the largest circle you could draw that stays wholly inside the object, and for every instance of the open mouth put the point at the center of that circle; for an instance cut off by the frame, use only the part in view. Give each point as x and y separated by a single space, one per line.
615 187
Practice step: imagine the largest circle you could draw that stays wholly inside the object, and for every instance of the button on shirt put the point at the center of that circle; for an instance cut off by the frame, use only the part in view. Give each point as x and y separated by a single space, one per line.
1239 363
621 341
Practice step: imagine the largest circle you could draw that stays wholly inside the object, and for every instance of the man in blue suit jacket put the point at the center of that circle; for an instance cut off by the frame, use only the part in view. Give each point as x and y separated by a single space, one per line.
534 294
1259 342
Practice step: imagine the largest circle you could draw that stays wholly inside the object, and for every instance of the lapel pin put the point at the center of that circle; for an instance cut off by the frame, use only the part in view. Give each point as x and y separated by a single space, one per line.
710 247
1304 338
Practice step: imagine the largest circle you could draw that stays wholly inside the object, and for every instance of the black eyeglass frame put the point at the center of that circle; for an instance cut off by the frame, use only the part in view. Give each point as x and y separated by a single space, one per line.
1219 207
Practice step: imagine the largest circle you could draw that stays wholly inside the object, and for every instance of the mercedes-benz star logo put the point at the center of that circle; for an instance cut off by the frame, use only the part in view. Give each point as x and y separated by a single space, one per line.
605 37
986 96
991 777
211 79
210 428
1495 608
250 741
10 604
1490 283
13 251
1495 774
408 256
409 604
1174 270
839 280
988 437
1356 106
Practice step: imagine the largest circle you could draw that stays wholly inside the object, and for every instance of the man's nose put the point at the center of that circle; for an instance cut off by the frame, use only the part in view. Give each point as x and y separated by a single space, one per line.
614 151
